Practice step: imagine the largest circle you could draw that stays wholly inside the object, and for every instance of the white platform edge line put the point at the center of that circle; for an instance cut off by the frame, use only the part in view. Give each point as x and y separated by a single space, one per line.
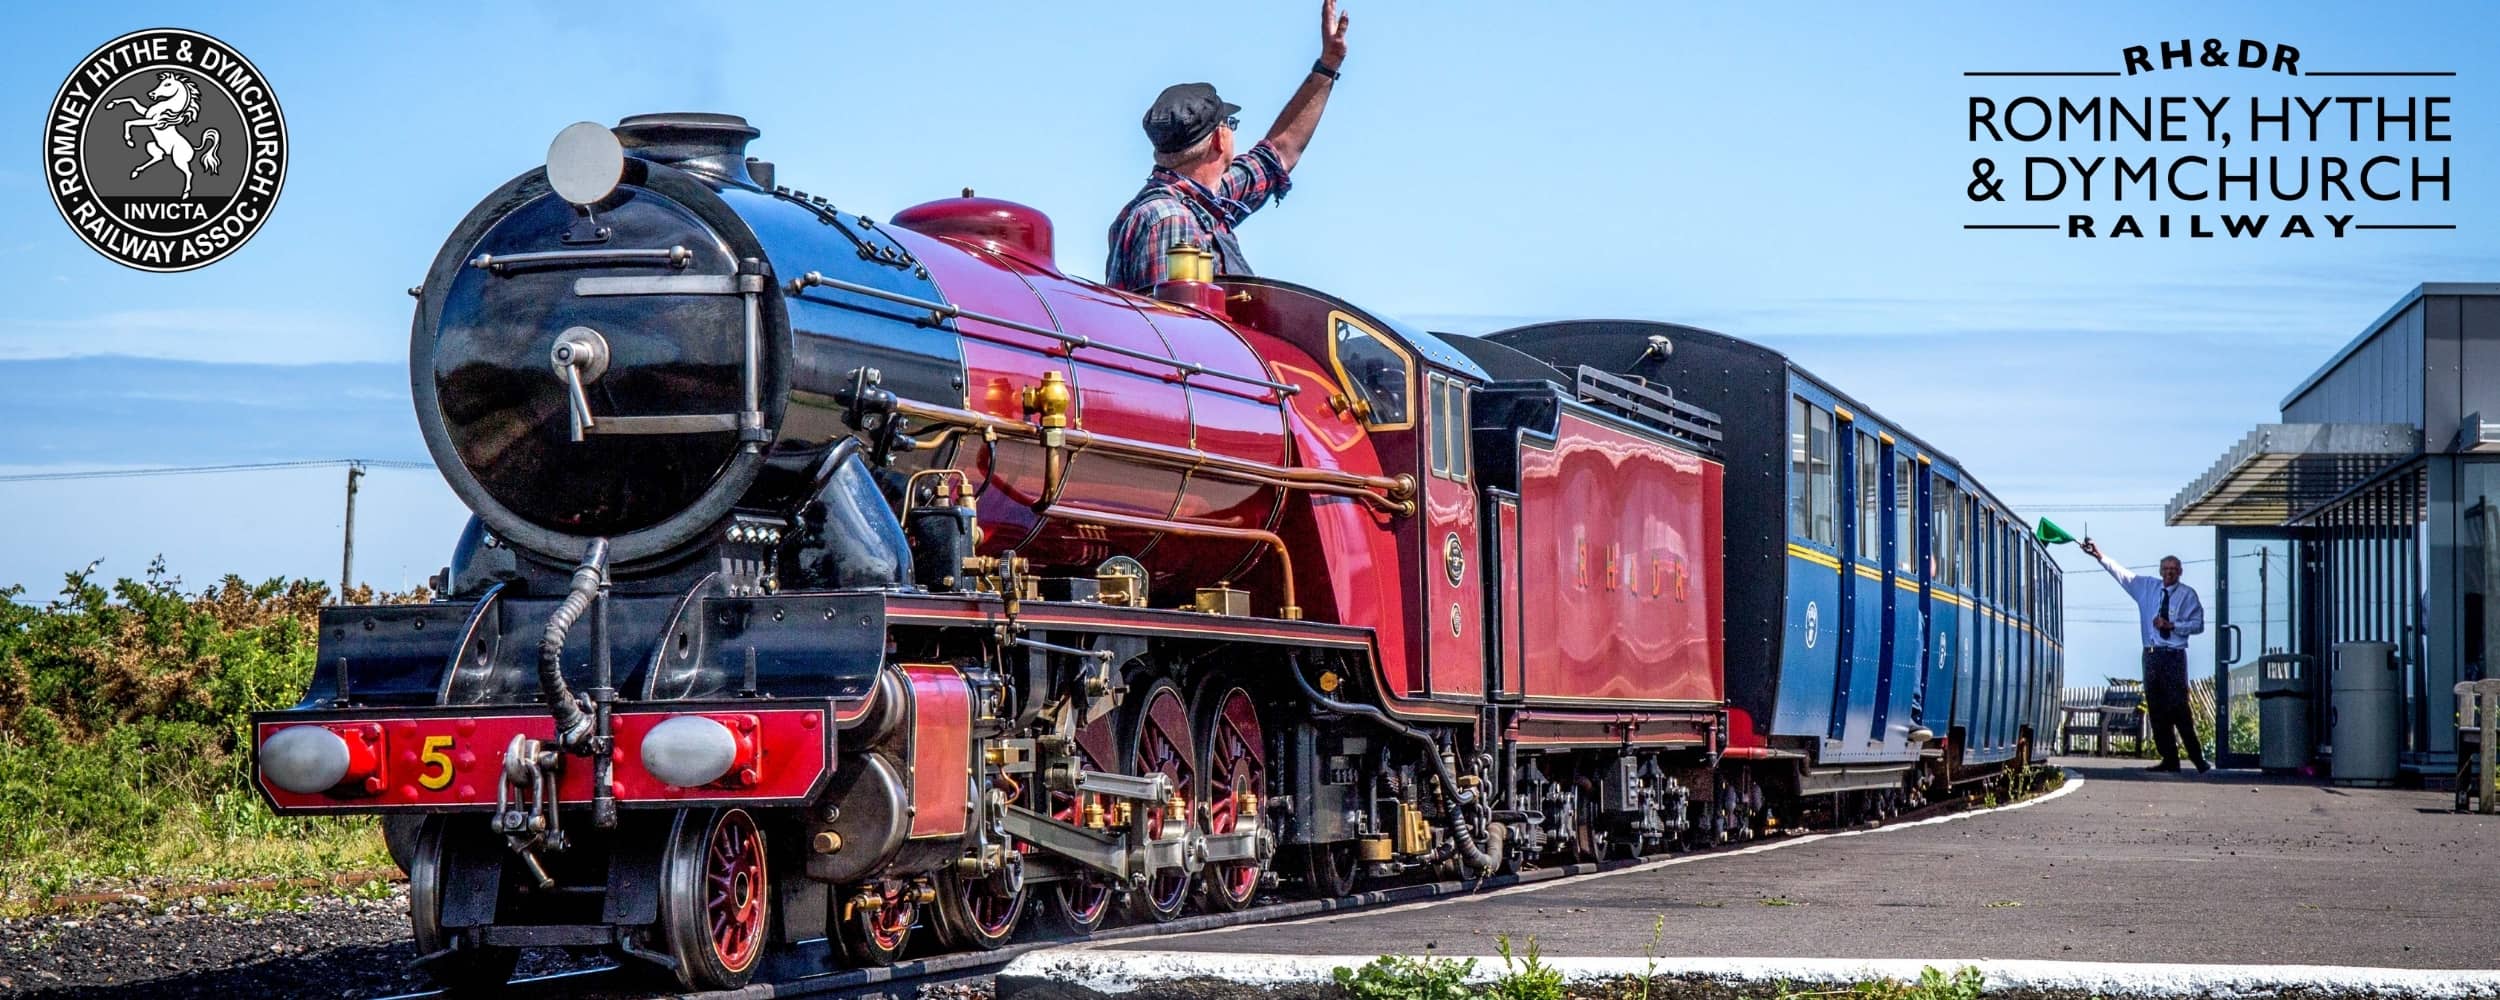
1114 972
2074 780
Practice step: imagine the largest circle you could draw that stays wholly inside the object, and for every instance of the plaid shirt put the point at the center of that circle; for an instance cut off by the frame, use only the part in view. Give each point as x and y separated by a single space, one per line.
1173 208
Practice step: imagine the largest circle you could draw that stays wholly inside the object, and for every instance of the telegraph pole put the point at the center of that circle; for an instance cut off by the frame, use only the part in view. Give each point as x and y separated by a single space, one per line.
347 553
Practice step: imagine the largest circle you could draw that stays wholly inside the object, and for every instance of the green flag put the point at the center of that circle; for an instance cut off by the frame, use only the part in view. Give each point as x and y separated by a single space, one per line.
2051 534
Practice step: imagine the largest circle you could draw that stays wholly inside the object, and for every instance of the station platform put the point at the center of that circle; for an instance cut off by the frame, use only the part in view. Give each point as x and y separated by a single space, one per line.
2120 867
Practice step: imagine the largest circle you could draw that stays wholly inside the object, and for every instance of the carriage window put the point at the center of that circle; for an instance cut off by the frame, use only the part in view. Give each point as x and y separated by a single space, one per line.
1905 514
1810 446
1449 434
1373 370
1940 530
1800 471
1988 558
1870 500
1961 539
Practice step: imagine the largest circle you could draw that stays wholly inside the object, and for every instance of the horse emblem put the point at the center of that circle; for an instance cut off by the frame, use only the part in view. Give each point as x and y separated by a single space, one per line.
177 104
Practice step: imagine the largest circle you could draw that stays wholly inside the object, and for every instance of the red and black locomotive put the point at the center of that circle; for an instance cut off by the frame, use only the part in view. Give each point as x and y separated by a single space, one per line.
833 580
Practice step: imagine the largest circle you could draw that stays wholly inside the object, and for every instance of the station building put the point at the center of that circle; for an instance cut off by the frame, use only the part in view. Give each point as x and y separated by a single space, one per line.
2365 513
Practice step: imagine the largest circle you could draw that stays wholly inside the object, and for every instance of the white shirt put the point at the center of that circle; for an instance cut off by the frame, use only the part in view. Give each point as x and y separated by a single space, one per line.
2187 614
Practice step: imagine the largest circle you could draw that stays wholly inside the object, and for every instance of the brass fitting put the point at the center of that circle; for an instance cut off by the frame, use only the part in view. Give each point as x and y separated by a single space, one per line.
1094 818
1246 803
1187 261
1374 849
828 842
1414 832
1049 400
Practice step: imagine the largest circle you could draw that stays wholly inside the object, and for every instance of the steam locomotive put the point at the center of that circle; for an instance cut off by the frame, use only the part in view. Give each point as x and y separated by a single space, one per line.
833 581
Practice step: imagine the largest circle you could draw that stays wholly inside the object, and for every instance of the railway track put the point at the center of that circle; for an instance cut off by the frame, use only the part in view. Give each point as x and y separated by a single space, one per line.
904 980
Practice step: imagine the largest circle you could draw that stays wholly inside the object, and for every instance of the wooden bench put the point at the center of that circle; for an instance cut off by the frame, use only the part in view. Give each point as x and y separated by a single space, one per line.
2120 712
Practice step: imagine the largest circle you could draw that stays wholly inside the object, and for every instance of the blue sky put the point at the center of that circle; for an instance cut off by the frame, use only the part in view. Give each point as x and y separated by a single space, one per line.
1790 173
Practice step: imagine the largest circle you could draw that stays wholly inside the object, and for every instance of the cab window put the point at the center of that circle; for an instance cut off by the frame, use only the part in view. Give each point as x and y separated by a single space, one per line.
1448 417
1374 371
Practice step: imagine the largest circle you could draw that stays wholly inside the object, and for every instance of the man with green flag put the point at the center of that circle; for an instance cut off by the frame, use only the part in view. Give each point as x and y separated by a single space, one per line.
2170 613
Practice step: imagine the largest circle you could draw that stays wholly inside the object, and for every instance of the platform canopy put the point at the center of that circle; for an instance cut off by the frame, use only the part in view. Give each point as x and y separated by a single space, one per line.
2281 471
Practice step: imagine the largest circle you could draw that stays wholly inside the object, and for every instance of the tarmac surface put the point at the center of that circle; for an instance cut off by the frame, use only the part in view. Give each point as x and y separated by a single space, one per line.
2132 867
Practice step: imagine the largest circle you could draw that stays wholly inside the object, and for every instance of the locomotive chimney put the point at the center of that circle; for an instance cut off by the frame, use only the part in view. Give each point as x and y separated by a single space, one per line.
691 140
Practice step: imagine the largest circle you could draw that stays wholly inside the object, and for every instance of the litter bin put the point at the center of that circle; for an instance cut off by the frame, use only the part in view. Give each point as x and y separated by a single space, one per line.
2362 721
2284 742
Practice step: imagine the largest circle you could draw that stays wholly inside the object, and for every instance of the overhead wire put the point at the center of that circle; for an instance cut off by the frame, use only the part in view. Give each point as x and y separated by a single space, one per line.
194 470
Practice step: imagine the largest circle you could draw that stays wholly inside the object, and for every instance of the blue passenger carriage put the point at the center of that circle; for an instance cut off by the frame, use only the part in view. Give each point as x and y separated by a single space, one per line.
1890 623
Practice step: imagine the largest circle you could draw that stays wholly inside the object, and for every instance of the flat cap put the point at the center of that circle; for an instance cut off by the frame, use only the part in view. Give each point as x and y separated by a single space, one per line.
1183 114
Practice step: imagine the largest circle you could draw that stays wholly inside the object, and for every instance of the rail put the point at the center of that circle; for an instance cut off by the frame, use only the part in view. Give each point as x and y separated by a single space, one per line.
1074 341
1393 494
1662 410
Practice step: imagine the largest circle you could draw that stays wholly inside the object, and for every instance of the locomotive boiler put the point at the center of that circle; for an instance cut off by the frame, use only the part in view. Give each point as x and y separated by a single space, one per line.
834 581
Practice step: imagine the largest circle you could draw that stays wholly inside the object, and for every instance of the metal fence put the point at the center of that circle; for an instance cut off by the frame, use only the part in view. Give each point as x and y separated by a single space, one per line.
2243 733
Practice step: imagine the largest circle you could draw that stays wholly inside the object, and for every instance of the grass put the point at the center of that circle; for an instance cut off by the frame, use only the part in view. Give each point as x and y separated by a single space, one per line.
1525 976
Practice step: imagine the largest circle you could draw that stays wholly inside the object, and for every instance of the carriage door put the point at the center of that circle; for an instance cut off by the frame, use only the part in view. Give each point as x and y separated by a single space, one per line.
1897 544
1852 525
1454 614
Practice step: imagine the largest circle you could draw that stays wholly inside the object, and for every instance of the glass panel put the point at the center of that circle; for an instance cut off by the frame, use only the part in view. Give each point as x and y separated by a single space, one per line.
1825 448
2478 506
1939 519
1905 515
1462 444
1800 470
1440 418
1374 371
1870 500
2261 604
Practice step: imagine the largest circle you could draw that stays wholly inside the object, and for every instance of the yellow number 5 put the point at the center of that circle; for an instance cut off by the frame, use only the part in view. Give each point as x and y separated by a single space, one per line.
438 765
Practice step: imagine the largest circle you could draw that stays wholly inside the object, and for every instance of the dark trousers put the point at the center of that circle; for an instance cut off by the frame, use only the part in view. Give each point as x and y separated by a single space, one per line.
2166 700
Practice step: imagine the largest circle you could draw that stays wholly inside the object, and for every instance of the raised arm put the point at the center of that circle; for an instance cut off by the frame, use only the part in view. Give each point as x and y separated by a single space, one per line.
2125 577
1292 132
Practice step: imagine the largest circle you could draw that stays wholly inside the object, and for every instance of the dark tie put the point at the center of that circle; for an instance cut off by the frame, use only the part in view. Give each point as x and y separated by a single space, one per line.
2165 604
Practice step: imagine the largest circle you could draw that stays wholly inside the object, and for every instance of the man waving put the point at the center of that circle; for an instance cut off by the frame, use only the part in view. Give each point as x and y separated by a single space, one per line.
2170 613
1200 188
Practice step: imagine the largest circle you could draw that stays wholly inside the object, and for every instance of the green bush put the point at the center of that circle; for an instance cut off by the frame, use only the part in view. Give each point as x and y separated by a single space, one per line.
1526 977
124 728
1396 977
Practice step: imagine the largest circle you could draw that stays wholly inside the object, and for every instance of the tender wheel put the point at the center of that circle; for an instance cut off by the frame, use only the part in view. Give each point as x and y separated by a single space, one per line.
1078 906
470 967
876 934
1330 870
980 911
1236 777
1156 740
715 898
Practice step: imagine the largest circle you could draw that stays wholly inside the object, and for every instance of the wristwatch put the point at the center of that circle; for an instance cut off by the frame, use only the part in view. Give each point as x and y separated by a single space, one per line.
1322 69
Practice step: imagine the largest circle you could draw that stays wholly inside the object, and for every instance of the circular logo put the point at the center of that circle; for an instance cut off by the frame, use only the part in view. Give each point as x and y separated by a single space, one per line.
1454 559
165 150
1814 624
